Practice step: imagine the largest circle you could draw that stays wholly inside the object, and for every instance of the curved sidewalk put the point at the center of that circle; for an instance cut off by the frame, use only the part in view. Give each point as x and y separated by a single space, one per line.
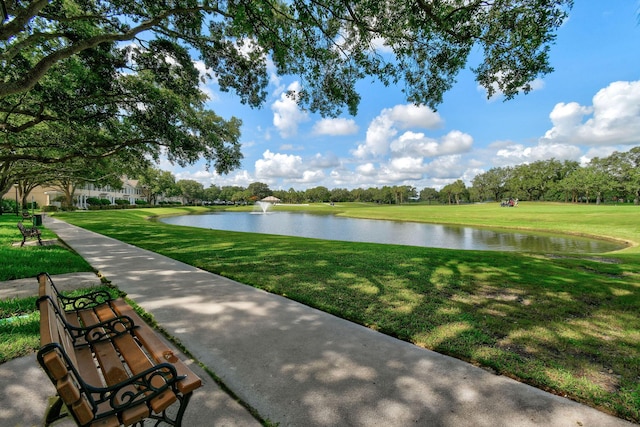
298 366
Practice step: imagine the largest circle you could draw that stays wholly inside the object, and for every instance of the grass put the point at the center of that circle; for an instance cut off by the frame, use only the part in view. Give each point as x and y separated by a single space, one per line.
19 328
20 324
27 261
562 322
19 319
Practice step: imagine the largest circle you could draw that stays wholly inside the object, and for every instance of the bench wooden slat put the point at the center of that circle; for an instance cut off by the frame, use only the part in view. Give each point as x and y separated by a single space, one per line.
111 421
137 360
68 390
56 366
83 411
158 349
112 368
49 334
114 371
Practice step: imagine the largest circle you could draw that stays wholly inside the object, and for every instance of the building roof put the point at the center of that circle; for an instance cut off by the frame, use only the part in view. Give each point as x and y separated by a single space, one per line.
271 199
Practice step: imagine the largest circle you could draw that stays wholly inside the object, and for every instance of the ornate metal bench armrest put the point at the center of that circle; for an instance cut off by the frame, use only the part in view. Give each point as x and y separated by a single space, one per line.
82 302
103 331
136 389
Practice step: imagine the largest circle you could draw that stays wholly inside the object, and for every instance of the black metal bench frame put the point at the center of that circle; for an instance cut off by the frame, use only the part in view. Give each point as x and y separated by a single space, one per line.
29 233
83 338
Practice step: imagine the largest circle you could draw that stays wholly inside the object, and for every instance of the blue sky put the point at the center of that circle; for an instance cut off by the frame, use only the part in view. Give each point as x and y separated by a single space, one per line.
588 107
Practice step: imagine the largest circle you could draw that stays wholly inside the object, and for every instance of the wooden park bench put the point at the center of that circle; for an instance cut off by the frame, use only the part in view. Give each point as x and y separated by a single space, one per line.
108 366
29 233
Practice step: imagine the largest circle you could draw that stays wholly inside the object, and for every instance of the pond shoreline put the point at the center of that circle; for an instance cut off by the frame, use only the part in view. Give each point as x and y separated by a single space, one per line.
329 226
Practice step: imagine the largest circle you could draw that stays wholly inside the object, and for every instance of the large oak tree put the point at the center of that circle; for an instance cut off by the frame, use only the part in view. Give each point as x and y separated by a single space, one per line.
331 44
118 75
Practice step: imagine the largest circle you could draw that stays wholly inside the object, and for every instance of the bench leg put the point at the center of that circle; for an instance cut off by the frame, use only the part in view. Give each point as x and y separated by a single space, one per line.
177 421
184 401
53 413
24 239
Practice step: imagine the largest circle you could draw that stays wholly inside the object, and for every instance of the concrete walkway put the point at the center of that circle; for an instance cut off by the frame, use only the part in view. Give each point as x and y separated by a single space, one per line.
298 366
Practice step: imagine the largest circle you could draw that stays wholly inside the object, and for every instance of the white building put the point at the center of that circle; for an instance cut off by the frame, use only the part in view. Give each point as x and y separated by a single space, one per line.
49 196
130 192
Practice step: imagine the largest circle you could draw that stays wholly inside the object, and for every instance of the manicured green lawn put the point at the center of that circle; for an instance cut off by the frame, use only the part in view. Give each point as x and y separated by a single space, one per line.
20 323
27 261
562 322
20 335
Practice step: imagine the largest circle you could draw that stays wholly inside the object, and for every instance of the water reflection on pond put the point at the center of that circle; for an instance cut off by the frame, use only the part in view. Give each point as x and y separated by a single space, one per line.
390 232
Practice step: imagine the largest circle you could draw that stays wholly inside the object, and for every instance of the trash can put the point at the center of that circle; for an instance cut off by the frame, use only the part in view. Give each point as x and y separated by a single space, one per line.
37 219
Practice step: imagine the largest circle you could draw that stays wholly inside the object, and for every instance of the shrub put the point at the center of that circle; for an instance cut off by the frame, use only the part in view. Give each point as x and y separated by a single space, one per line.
8 205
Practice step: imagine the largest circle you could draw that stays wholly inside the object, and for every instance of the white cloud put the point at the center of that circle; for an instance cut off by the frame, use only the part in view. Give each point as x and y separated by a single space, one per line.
393 174
324 162
380 46
455 142
414 116
406 169
469 174
417 144
379 135
512 154
286 113
613 119
384 127
413 165
335 127
291 147
240 178
367 169
566 119
275 165
446 167
274 79
310 176
517 153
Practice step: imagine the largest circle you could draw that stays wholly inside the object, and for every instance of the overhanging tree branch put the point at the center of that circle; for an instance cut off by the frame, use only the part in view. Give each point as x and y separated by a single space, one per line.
30 78
21 19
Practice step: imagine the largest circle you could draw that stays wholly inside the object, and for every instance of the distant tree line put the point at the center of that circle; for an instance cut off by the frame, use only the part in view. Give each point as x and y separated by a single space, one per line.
611 179
194 192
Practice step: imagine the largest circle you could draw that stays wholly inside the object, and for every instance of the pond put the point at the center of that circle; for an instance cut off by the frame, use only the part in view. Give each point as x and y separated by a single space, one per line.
332 227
